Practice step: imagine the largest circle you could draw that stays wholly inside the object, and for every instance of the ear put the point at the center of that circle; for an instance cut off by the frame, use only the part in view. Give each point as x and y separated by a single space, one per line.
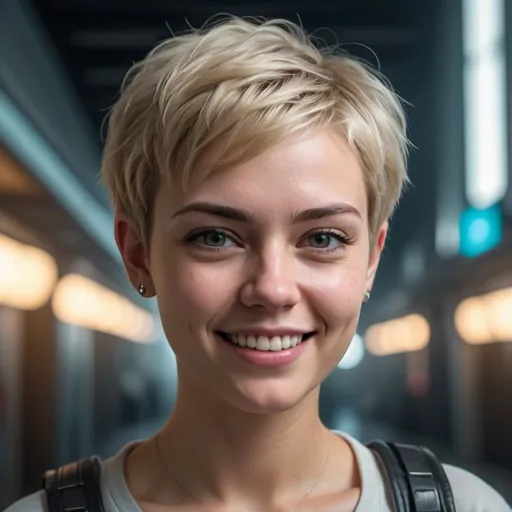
134 253
375 254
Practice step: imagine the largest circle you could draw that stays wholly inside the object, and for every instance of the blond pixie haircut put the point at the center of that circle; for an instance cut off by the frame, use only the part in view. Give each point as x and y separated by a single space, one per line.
216 97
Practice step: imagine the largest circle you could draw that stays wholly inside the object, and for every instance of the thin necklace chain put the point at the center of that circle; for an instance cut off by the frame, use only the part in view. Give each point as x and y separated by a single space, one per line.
171 474
321 474
168 470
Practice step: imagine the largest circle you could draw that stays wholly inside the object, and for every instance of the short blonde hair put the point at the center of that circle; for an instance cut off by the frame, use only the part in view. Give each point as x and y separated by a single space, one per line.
224 94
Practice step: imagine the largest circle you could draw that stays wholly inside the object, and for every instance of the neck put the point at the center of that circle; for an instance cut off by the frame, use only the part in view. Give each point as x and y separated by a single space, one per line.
220 452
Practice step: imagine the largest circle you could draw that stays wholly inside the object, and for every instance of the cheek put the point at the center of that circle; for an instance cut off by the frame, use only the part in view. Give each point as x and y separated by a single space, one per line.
192 290
337 295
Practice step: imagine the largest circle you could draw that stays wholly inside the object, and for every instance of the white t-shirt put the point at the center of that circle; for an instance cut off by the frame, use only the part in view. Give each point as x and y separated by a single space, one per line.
470 493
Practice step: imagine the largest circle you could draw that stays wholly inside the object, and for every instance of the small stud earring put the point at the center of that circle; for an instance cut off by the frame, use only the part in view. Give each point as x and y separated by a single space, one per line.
367 296
142 290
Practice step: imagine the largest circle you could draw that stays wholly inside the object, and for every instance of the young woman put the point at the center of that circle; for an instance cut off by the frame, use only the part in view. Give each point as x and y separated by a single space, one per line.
253 177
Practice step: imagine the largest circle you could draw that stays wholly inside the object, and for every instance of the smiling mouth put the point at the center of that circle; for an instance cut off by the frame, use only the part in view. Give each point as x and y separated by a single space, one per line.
265 343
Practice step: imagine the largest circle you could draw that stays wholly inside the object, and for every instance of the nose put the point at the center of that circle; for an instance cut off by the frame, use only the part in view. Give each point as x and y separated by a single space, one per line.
271 284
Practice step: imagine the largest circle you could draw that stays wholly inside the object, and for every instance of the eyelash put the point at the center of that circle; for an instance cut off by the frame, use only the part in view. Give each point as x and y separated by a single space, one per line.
193 237
342 238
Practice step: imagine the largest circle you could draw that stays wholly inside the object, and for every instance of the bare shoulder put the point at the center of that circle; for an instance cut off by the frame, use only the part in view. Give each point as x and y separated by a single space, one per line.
33 503
472 494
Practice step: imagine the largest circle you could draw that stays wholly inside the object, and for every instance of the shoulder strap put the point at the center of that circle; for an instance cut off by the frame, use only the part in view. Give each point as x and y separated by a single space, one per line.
416 479
74 487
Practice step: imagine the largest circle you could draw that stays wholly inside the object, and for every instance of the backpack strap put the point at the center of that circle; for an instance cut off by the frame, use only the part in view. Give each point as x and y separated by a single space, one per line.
416 479
74 487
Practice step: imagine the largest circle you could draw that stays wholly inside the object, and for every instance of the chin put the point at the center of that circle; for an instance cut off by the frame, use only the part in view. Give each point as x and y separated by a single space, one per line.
265 399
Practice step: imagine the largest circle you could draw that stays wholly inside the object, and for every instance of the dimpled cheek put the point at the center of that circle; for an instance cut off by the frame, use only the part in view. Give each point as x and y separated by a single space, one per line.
337 300
338 305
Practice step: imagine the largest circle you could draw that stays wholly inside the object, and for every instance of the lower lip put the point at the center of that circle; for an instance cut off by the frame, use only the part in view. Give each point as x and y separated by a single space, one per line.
269 357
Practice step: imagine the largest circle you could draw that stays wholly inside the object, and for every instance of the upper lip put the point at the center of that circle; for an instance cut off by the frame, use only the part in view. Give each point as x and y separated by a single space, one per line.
270 331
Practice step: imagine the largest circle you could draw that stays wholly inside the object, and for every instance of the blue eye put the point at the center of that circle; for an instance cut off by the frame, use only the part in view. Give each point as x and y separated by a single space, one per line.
324 240
214 238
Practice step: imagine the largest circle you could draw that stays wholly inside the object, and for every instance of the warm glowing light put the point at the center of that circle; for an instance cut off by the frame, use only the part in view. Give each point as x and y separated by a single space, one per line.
27 275
471 321
80 301
407 334
499 312
485 319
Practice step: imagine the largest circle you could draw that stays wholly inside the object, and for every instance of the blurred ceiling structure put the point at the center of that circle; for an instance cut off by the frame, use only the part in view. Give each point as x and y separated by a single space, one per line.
98 40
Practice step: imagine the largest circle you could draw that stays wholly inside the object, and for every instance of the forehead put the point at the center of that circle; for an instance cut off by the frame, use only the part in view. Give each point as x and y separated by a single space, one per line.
302 172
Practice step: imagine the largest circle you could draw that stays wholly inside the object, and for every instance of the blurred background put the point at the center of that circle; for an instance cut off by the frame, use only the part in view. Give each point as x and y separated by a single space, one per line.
84 367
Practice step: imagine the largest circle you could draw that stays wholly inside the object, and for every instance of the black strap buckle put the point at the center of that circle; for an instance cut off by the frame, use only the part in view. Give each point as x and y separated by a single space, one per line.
416 479
75 487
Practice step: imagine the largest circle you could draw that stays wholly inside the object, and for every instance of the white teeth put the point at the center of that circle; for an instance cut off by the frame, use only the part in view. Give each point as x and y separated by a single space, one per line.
264 343
276 343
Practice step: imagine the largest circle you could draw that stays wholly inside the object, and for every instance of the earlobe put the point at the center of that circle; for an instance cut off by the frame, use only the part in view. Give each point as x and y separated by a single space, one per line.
133 251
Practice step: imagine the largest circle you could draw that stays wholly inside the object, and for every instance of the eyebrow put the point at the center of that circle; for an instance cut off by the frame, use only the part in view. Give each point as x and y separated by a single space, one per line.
218 210
326 211
239 215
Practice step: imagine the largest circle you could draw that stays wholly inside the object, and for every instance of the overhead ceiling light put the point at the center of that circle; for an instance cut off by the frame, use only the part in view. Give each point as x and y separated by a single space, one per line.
27 275
407 334
485 101
80 301
485 319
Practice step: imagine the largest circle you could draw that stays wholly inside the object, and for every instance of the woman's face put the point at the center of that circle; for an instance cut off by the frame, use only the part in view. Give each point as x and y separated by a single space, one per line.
270 252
